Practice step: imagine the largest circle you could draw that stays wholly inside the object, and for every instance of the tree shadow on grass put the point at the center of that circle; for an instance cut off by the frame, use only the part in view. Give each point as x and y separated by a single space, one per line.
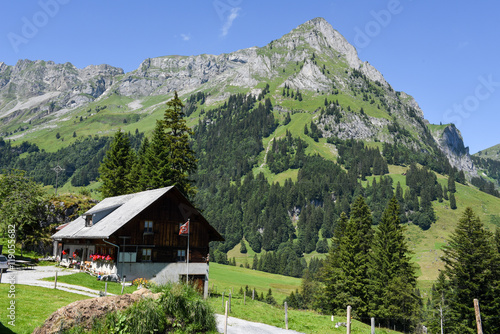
5 330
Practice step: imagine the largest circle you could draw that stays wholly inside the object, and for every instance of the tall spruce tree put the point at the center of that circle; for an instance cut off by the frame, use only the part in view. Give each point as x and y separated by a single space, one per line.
137 176
453 201
451 183
346 276
438 312
169 158
393 277
471 265
116 166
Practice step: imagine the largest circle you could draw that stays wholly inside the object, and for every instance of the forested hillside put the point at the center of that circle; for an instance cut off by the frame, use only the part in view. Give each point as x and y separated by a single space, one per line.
286 137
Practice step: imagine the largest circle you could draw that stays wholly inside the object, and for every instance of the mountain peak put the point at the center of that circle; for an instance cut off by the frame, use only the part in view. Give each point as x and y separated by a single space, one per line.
319 35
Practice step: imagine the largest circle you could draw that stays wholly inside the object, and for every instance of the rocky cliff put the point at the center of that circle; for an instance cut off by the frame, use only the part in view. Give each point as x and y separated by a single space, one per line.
313 58
43 87
450 141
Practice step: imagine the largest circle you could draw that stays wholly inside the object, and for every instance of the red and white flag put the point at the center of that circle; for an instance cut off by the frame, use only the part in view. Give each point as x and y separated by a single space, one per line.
184 229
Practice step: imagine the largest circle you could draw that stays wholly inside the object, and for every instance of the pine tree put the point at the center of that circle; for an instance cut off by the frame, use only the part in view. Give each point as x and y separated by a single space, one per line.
346 268
451 183
137 176
497 239
393 277
438 309
453 202
471 265
116 166
255 262
170 159
243 247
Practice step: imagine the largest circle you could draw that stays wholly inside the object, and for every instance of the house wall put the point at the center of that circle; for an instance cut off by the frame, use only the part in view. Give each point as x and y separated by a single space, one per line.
167 215
66 260
164 264
164 272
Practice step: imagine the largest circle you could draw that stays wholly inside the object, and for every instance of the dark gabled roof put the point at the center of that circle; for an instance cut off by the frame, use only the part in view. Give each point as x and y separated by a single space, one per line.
124 209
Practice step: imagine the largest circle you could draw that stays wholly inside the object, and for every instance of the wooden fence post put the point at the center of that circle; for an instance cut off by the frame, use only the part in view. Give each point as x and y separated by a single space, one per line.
286 316
348 319
373 325
55 282
123 284
478 317
230 302
225 321
253 294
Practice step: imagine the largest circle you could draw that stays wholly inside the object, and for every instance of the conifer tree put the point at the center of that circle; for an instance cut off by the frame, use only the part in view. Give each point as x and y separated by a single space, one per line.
243 247
116 166
393 277
451 183
169 158
453 202
137 176
497 239
471 266
438 308
255 262
346 268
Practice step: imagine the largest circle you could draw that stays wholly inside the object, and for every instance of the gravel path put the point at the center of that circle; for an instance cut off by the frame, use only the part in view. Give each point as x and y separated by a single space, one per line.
239 326
33 277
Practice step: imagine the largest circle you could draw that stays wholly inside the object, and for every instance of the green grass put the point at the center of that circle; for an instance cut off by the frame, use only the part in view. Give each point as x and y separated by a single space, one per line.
226 278
91 282
490 153
303 321
27 255
33 306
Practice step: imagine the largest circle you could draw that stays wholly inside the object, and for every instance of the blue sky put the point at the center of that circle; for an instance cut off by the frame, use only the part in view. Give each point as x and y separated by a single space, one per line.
445 54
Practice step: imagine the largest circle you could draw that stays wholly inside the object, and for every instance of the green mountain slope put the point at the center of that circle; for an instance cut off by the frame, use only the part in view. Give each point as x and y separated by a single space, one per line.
286 137
490 153
426 244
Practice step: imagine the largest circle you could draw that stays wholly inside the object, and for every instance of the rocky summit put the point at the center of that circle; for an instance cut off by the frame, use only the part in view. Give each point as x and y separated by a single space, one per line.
313 60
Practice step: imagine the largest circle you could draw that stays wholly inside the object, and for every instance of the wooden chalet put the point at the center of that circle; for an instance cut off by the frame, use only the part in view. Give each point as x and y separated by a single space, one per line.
137 236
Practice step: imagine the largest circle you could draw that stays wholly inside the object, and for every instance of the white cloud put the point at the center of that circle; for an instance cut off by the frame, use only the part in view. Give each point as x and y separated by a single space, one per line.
186 37
229 21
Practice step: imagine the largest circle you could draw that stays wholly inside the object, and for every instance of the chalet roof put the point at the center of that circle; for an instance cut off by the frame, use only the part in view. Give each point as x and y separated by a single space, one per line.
126 207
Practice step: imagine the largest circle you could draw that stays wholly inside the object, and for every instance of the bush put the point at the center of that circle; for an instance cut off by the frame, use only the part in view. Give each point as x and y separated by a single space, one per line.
179 308
186 308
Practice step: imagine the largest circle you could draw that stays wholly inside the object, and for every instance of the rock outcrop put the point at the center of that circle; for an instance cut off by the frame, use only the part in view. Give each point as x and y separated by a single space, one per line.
450 141
44 87
313 58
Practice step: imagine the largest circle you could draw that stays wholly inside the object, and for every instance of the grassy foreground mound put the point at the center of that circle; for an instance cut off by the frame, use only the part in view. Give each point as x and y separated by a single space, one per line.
173 308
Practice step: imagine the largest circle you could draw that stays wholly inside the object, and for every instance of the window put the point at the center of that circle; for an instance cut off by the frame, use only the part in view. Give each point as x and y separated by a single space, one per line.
88 221
181 255
148 227
146 254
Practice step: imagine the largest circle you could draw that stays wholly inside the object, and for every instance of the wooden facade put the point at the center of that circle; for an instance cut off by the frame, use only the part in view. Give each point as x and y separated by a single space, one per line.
149 234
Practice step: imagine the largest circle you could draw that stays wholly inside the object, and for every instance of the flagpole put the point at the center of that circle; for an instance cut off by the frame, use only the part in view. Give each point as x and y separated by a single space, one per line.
187 255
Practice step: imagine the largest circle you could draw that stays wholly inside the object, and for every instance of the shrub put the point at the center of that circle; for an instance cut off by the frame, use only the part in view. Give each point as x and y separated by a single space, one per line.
180 308
186 309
